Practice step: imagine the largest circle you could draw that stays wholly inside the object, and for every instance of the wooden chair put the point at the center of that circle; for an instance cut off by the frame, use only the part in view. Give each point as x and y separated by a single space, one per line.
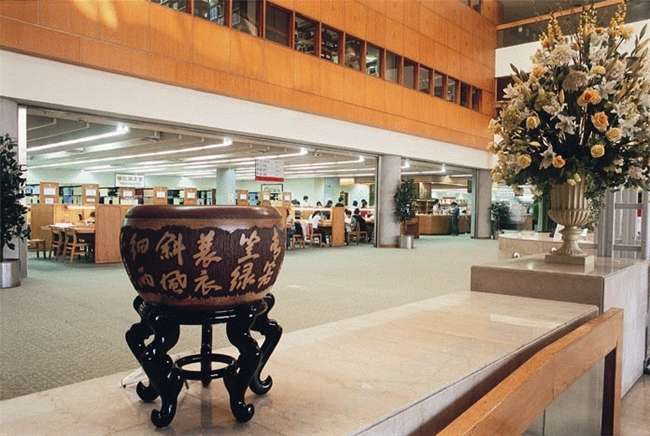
74 245
37 245
58 242
357 234
315 236
298 238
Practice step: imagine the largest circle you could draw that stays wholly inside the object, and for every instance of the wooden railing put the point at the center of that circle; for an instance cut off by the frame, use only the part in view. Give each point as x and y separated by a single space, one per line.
514 404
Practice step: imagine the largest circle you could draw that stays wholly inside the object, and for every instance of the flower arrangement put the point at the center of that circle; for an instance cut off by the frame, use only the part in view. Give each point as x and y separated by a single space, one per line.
581 113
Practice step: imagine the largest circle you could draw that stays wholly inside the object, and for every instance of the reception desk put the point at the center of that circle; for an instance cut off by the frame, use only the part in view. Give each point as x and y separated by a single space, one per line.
435 224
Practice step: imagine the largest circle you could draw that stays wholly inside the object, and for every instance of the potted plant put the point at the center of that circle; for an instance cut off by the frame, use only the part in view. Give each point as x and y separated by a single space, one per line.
405 197
12 212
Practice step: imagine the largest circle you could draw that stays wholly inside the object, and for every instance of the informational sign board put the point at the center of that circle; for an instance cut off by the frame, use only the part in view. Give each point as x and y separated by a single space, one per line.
129 181
269 170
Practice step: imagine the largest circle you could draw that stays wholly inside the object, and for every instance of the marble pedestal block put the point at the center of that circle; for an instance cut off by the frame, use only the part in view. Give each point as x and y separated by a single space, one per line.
608 283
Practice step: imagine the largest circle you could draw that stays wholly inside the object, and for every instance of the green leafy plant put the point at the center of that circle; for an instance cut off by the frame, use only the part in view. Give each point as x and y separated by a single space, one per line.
12 213
405 197
501 215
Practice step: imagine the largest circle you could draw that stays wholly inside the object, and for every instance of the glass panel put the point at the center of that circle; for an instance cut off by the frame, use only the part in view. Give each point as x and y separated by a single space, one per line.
439 85
425 79
451 89
330 44
244 16
179 5
409 74
392 67
373 60
277 24
476 99
305 33
213 10
352 52
464 94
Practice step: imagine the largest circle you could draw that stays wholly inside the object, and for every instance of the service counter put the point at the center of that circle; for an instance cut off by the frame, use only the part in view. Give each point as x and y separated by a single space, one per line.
438 224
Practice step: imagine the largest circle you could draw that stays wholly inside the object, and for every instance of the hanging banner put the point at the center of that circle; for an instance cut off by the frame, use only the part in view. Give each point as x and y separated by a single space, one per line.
268 170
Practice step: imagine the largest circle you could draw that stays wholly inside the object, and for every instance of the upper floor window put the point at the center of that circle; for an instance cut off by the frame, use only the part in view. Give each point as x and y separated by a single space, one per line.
353 53
179 5
277 24
213 10
465 94
393 65
451 89
425 80
373 60
439 85
330 40
409 74
476 99
245 16
305 35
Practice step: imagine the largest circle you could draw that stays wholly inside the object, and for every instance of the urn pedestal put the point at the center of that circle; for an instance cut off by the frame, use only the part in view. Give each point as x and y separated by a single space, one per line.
569 207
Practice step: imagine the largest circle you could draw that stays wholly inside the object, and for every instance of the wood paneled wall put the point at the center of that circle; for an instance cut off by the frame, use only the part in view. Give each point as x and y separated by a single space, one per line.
142 39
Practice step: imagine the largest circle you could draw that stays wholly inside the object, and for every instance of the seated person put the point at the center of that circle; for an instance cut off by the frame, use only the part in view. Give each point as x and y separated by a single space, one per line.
291 228
315 220
340 203
364 209
350 223
362 222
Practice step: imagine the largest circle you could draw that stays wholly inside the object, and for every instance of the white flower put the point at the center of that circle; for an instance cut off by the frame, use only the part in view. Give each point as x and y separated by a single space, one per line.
567 124
636 172
562 54
608 88
511 92
597 54
616 69
554 108
547 158
574 80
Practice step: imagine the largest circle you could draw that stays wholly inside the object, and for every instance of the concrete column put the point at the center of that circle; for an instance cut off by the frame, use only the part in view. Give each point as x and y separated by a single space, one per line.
10 122
482 189
388 179
226 186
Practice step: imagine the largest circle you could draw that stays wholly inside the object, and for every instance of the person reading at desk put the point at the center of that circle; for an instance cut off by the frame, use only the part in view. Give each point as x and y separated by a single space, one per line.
290 227
315 220
362 222
350 223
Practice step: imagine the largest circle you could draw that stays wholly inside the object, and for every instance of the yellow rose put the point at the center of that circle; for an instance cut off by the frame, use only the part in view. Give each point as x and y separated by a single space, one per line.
538 71
490 147
614 134
532 122
558 161
524 160
589 96
626 32
597 150
600 121
598 69
494 126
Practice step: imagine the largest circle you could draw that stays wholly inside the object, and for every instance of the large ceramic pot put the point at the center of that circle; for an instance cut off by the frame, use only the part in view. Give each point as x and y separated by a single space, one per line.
202 257
569 207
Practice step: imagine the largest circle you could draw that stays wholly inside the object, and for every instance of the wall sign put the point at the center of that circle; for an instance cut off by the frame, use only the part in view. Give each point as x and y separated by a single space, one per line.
129 181
269 170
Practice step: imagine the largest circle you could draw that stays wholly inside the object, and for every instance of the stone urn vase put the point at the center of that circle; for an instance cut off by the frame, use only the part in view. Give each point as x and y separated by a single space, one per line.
202 257
569 207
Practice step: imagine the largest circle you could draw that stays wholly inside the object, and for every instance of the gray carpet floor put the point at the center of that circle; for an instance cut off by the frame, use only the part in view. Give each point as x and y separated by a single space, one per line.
66 323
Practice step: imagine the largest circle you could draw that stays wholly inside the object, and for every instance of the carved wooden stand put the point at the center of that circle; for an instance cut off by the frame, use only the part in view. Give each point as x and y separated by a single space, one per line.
167 377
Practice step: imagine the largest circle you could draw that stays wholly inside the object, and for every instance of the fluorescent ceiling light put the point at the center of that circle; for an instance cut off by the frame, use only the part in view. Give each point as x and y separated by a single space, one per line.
121 130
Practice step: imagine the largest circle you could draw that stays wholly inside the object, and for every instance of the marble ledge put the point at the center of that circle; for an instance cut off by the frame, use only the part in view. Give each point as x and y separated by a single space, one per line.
387 372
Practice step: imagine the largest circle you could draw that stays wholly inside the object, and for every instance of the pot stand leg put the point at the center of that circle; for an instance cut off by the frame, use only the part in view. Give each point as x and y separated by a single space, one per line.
165 379
135 338
238 376
272 332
